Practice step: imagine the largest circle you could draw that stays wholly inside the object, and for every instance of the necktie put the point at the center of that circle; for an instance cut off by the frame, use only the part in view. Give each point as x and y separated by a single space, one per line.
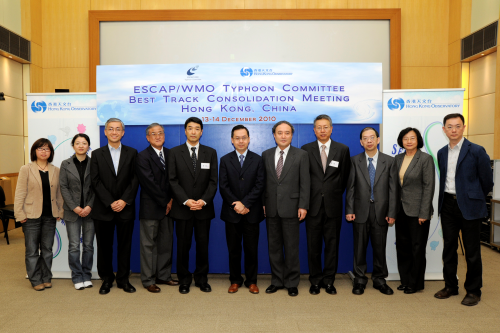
241 160
323 157
193 158
279 167
371 172
162 160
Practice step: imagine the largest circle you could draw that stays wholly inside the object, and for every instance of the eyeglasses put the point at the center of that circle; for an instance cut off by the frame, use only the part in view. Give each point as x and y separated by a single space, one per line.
111 129
41 149
243 138
159 134
325 128
367 138
410 139
457 127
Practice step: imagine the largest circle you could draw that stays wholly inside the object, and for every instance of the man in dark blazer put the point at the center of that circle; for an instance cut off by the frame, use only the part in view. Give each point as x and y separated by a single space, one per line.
157 229
192 169
286 201
466 179
112 169
241 184
371 206
329 167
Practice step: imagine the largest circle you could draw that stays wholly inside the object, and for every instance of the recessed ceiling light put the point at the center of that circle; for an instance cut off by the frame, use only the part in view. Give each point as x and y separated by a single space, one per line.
482 53
10 57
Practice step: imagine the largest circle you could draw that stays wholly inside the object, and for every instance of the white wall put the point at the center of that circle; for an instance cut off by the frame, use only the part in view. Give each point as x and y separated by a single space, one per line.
483 12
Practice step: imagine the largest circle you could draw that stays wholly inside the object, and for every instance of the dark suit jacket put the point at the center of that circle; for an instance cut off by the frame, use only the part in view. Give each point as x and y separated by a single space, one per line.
473 179
384 191
185 184
154 184
331 184
417 190
245 184
285 196
109 187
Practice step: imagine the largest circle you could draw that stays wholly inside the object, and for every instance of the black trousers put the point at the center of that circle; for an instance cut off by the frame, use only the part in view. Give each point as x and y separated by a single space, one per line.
411 242
105 234
249 234
452 221
321 228
363 232
184 231
283 236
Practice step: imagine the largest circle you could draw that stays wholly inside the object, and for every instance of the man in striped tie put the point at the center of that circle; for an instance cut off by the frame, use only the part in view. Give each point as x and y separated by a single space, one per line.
156 226
286 201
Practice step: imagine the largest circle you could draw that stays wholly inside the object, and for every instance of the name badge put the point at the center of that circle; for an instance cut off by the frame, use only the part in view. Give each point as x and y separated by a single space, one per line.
207 165
334 164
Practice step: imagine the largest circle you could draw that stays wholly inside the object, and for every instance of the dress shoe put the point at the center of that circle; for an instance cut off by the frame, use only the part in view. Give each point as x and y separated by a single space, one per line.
205 287
410 290
358 289
88 284
272 289
39 287
471 299
293 291
168 283
402 287
127 287
330 289
233 288
79 286
253 289
446 293
47 285
105 288
384 289
314 289
184 288
153 289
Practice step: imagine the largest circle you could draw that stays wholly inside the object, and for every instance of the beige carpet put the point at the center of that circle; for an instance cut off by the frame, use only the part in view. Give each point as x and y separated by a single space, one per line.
64 309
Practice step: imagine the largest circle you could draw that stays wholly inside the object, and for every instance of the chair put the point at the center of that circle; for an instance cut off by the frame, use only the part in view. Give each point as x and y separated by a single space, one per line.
7 213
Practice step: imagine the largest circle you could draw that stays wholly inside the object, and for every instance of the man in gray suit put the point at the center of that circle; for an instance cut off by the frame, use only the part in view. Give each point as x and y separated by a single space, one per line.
286 201
371 204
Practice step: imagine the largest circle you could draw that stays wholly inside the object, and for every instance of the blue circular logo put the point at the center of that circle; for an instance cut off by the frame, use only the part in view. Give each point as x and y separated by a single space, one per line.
397 103
38 106
246 71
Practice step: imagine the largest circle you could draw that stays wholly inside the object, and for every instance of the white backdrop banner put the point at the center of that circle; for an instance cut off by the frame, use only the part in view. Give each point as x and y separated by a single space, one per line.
58 117
424 110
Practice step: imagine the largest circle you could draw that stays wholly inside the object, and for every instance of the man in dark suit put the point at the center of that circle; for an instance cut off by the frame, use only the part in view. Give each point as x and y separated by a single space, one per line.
112 169
157 229
241 183
371 204
329 167
192 169
466 179
286 203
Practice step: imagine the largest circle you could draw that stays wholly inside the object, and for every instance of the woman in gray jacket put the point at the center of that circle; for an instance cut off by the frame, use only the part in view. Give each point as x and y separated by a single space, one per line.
416 179
78 197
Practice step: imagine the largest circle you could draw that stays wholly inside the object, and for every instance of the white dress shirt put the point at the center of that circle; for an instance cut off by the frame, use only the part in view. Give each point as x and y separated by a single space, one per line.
327 148
158 152
277 155
244 155
453 153
115 156
374 162
196 151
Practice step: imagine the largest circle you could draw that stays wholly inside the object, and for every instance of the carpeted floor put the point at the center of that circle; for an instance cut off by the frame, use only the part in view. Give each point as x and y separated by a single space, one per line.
64 309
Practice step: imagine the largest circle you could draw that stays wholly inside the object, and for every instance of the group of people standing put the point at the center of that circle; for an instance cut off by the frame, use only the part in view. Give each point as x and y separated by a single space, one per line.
285 186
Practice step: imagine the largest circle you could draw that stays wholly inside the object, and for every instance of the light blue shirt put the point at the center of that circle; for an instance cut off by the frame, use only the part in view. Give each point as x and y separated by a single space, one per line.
374 162
115 156
244 155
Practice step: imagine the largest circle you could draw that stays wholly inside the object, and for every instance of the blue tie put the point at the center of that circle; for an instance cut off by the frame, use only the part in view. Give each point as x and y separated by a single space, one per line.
371 172
241 160
162 160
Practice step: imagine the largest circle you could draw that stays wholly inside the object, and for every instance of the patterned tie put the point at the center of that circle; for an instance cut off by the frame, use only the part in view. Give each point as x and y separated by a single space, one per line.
371 172
279 167
241 160
162 160
323 157
193 157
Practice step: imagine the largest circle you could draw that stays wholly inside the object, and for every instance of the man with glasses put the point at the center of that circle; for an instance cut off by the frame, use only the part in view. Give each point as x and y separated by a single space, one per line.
156 226
466 179
112 169
371 206
329 167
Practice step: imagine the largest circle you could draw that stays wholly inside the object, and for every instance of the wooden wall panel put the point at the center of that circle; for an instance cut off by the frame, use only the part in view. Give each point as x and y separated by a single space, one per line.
496 153
365 4
36 55
65 33
26 18
166 4
74 79
424 77
218 4
424 31
465 18
454 50
36 21
454 76
272 4
487 141
455 22
36 79
115 4
321 4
